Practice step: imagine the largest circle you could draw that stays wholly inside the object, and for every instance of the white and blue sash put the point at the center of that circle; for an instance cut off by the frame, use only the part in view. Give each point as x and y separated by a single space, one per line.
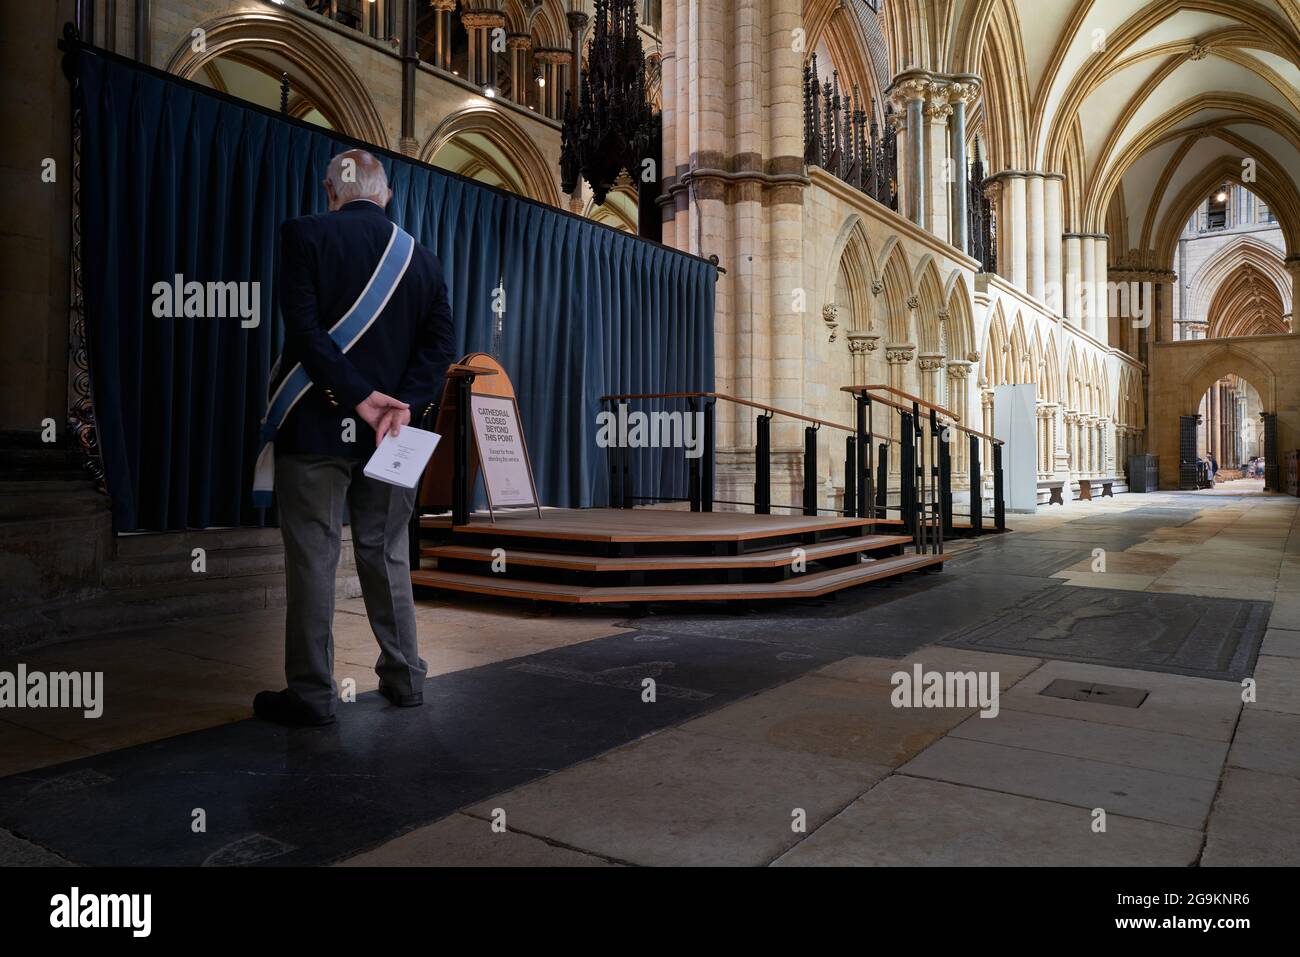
283 395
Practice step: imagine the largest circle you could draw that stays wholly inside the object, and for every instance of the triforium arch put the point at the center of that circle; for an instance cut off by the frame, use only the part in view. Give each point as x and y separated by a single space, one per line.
324 76
492 139
854 47
898 296
849 283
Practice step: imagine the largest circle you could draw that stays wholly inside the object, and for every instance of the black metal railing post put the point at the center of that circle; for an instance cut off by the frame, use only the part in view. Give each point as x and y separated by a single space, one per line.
460 460
694 466
615 470
706 480
882 482
999 504
945 481
850 484
763 466
976 493
810 470
907 474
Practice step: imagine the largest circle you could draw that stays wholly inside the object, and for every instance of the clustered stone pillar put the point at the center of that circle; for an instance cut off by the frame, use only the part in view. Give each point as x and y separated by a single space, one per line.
734 183
442 33
1053 218
958 385
518 45
551 62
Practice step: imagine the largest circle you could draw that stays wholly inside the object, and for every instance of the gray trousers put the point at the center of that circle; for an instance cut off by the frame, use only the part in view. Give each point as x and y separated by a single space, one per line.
311 491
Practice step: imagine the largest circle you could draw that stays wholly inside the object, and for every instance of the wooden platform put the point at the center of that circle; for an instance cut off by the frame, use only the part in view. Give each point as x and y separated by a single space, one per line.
588 556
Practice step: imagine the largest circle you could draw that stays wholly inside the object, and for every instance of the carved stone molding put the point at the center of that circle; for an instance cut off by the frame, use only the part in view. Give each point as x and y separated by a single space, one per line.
913 302
831 316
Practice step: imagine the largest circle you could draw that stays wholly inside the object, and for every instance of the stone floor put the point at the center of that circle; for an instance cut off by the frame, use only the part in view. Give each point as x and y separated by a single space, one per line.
773 739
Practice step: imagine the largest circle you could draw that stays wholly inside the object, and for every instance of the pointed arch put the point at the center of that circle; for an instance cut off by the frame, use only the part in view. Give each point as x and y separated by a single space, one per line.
897 292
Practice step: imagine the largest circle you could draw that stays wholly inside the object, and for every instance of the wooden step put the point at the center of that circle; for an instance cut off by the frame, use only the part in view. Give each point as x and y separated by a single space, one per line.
772 558
801 586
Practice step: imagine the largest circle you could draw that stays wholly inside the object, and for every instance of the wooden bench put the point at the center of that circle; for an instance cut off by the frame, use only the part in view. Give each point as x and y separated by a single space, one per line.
1054 488
1107 483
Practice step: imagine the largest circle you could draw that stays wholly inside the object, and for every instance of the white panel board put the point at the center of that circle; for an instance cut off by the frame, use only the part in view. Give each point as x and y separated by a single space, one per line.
1015 423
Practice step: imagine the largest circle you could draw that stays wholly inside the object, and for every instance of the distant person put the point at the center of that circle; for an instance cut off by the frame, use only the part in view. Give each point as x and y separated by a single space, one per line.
366 318
1214 468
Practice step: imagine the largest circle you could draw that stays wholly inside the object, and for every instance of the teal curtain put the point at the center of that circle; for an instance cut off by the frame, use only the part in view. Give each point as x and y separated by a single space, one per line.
176 179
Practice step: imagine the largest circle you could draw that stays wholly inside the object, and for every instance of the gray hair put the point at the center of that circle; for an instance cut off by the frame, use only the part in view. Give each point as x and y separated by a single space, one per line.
356 174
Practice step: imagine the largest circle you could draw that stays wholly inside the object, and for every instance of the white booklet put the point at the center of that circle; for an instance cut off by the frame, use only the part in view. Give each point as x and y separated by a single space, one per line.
400 459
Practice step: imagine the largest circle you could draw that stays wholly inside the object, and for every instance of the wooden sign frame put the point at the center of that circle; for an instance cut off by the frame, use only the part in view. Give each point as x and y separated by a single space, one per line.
452 472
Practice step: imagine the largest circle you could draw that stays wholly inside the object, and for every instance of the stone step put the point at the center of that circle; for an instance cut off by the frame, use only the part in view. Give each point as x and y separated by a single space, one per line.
150 606
134 570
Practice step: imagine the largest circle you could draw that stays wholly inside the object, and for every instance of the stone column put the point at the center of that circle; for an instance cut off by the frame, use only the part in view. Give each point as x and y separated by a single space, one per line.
1293 267
1101 312
964 91
1074 279
1013 229
1164 306
986 426
908 93
1088 307
442 33
1053 218
937 111
899 355
930 365
1037 236
958 388
551 101
577 24
521 82
861 345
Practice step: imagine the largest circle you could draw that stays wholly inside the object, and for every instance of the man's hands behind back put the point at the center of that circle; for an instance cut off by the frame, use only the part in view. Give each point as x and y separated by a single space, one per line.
384 414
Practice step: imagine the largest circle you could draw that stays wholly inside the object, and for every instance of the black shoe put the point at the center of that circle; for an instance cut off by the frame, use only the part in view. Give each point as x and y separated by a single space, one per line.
285 707
413 700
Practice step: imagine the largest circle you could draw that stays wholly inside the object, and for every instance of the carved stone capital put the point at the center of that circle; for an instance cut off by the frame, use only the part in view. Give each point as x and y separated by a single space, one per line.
958 369
861 343
930 362
899 353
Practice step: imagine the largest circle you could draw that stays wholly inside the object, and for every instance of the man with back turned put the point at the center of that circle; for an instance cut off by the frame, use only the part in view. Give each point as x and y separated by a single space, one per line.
368 339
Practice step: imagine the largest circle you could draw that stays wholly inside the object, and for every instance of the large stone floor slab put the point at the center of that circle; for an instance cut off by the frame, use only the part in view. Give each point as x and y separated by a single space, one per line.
678 798
1118 789
1267 741
845 720
464 841
909 822
1277 682
1256 821
1176 704
1112 744
1204 637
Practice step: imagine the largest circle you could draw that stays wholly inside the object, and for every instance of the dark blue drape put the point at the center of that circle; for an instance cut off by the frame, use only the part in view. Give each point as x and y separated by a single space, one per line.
177 180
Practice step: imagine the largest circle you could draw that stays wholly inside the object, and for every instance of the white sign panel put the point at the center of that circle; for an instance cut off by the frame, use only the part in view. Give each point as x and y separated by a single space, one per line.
1015 422
501 451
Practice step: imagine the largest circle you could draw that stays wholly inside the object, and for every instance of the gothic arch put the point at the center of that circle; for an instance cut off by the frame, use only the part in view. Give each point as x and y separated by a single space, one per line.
851 279
960 328
898 292
929 298
1244 252
532 174
1230 358
326 75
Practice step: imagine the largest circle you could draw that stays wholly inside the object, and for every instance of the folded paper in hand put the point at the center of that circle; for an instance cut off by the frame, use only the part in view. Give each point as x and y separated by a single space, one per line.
400 459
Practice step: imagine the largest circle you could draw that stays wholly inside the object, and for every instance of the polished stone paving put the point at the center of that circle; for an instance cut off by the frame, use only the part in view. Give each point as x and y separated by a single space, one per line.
771 738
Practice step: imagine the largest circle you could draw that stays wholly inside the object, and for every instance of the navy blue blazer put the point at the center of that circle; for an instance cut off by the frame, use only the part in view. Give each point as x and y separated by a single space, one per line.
325 262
